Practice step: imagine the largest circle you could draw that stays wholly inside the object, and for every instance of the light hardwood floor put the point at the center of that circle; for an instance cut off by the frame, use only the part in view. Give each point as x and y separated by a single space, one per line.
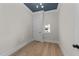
37 48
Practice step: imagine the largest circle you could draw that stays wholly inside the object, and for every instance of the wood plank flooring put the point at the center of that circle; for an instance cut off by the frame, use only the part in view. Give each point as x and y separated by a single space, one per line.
37 48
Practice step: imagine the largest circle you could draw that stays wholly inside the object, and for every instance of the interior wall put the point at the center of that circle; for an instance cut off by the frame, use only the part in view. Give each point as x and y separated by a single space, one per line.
38 26
15 27
69 28
76 21
50 17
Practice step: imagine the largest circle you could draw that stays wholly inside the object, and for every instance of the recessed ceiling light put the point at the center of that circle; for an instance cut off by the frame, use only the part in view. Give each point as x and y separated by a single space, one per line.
42 6
36 6
40 3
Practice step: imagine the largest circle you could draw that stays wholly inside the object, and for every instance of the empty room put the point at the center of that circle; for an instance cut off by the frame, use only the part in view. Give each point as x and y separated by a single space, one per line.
39 29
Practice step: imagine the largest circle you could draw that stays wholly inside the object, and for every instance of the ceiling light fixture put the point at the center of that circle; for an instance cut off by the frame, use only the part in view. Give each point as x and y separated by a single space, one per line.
36 6
40 3
42 6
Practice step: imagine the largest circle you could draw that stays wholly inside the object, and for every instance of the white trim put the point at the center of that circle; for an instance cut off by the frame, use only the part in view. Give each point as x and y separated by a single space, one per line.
14 49
38 11
11 51
26 7
62 49
52 41
46 40
59 6
55 10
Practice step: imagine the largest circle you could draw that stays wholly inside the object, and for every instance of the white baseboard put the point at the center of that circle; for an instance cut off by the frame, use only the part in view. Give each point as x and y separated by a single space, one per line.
12 50
62 49
52 41
47 40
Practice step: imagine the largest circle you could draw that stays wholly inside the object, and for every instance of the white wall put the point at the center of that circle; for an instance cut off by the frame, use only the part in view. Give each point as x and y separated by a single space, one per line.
76 21
50 17
38 26
69 28
15 27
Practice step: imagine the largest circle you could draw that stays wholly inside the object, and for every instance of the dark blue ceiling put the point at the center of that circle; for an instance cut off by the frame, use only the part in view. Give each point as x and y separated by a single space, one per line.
47 6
